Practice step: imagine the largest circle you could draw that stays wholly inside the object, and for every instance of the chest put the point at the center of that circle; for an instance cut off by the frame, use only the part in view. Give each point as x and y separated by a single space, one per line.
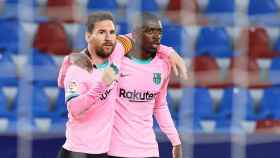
143 77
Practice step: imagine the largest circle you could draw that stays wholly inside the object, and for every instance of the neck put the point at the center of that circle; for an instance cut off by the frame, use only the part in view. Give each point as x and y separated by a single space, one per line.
97 60
140 54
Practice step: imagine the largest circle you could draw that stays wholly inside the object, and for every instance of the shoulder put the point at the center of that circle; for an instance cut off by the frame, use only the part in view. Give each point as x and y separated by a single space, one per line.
164 50
74 69
164 64
117 54
76 73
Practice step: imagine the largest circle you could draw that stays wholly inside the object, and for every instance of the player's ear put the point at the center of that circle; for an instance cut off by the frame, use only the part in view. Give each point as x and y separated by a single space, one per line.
87 36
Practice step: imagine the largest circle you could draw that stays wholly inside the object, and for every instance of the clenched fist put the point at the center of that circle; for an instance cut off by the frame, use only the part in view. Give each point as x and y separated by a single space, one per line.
81 60
110 74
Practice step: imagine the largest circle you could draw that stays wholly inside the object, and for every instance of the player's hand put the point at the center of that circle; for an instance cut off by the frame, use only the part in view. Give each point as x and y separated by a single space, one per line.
109 75
81 60
177 151
178 65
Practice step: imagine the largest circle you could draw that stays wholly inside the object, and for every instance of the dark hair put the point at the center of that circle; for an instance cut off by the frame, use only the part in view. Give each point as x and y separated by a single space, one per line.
96 17
142 19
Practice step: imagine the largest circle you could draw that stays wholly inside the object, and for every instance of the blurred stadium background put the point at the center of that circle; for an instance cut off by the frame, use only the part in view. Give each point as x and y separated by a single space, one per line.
229 108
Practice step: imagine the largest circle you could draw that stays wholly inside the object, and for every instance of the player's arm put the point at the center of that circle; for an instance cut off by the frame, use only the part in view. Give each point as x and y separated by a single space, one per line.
163 116
80 96
166 124
78 59
176 61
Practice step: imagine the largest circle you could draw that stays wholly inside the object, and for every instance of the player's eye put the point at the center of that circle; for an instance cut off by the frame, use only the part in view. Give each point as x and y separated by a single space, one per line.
148 31
101 32
153 31
112 32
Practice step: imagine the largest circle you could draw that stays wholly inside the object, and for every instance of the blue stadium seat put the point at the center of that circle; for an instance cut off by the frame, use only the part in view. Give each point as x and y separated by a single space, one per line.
8 76
3 104
40 103
11 1
33 104
225 110
60 107
196 104
40 58
277 45
21 107
9 35
123 27
35 3
264 12
214 41
10 9
221 11
241 100
5 112
174 36
274 71
41 108
252 112
44 69
220 6
270 103
262 7
150 6
110 5
31 99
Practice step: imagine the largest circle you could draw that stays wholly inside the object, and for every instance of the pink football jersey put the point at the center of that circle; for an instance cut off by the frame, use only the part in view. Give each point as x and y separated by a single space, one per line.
90 104
142 92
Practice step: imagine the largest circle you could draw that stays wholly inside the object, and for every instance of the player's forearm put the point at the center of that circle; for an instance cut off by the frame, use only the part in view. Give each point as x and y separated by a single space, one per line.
163 117
166 124
82 103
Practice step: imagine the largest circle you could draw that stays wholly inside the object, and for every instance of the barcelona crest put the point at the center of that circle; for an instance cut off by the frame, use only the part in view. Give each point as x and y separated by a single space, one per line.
157 78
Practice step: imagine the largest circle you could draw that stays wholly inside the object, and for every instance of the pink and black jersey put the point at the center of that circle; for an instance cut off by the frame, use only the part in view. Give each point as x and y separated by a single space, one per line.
91 106
142 92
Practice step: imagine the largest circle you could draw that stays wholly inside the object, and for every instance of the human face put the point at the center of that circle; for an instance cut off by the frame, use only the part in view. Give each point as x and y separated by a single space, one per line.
102 39
151 36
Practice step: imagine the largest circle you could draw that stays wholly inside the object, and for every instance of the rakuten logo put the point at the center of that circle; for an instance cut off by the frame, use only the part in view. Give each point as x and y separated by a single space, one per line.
136 96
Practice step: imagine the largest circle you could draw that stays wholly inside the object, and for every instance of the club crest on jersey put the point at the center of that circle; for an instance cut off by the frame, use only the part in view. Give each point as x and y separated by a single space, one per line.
157 78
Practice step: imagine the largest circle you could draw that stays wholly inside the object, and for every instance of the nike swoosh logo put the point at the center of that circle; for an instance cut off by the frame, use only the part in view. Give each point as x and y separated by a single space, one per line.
124 75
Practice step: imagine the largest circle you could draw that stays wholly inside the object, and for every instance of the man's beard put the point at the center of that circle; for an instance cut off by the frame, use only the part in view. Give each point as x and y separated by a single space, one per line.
101 53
